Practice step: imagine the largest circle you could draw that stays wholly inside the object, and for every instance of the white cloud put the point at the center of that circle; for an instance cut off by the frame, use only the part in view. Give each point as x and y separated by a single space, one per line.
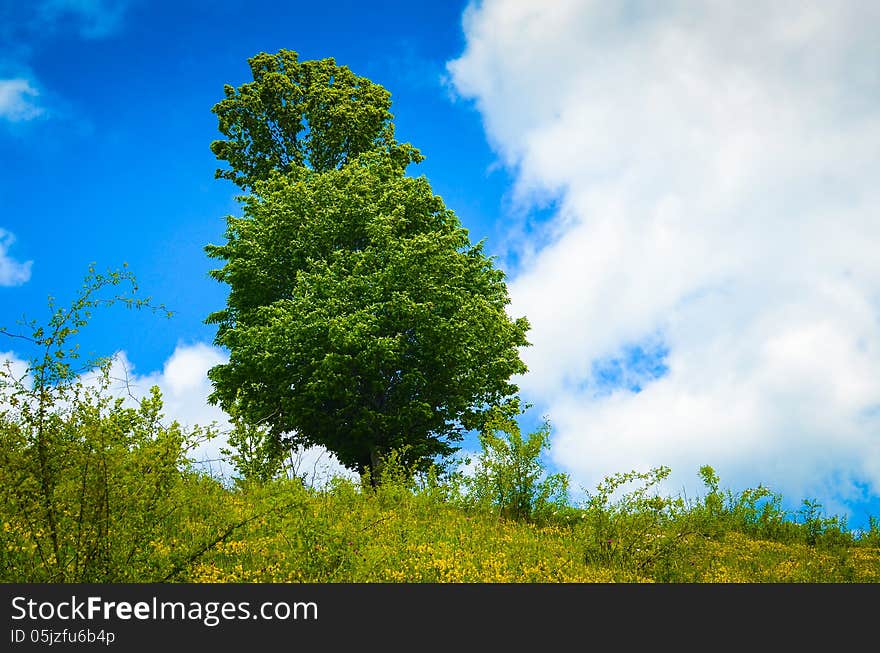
183 382
715 166
18 100
12 272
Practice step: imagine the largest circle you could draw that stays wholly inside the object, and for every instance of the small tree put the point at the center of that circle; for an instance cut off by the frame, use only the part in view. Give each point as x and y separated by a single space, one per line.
510 475
255 455
360 316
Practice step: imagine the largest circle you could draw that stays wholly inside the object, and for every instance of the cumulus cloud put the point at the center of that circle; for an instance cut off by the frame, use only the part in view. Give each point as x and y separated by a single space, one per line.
714 167
12 272
18 100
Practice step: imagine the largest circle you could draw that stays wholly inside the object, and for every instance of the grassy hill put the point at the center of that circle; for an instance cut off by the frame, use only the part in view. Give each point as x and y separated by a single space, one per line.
407 533
429 532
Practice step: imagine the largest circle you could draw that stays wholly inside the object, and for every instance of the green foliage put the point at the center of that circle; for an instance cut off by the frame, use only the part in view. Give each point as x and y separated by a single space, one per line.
254 454
427 526
360 317
638 530
871 536
510 477
302 114
88 485
724 537
409 528
400 530
820 530
756 511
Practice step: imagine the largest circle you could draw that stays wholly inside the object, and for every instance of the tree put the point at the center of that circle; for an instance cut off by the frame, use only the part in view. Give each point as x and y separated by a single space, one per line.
360 317
510 475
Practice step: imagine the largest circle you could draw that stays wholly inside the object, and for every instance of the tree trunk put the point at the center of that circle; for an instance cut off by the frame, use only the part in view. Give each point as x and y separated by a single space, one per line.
370 467
375 467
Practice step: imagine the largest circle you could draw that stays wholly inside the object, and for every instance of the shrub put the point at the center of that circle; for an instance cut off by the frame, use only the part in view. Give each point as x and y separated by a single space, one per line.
641 531
92 490
510 478
754 511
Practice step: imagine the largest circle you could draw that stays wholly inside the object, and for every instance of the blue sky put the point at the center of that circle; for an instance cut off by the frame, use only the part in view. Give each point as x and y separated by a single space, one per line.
687 217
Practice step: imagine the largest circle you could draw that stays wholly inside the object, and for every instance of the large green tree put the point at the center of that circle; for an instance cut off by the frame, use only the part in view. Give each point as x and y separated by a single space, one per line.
360 316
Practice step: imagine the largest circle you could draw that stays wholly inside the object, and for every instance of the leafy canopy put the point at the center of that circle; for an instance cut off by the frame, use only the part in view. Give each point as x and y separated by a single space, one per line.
360 317
309 114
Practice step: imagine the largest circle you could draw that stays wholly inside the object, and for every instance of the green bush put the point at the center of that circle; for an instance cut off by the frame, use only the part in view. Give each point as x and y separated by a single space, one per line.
640 531
92 490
